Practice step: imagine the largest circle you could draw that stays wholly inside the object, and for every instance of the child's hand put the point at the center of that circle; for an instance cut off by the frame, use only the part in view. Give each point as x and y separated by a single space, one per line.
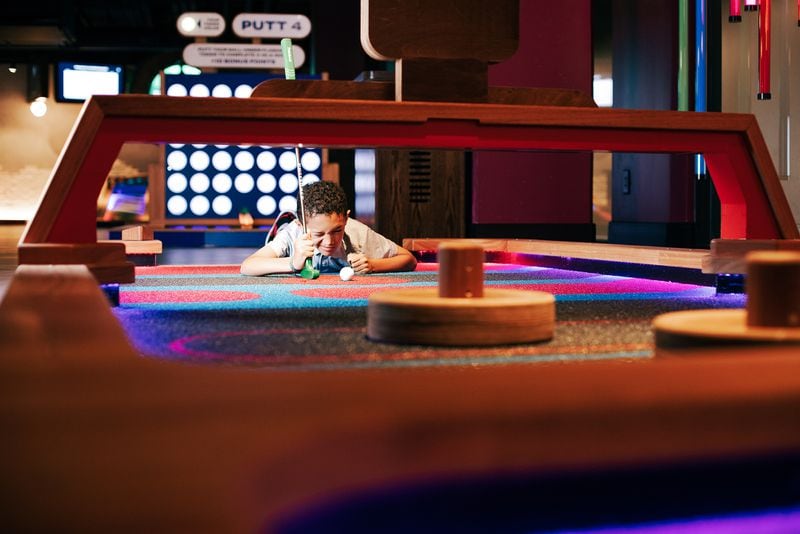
303 248
360 263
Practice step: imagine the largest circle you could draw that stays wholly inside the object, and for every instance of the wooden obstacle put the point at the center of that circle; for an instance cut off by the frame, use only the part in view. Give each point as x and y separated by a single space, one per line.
772 314
57 315
729 255
460 312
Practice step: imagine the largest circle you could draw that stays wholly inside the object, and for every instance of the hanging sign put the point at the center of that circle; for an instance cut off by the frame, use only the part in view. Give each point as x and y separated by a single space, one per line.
274 26
239 56
201 24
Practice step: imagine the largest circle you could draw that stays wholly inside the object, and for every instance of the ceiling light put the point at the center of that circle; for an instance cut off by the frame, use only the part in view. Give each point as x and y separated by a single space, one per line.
39 107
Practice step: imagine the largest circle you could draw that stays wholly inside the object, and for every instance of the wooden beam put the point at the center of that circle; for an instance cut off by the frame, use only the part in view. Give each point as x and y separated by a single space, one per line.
106 260
664 256
752 200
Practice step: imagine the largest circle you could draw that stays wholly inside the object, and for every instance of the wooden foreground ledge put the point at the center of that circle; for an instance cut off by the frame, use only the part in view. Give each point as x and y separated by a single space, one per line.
96 438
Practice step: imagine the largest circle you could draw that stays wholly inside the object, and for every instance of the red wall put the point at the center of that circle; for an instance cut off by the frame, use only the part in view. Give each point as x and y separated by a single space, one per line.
555 50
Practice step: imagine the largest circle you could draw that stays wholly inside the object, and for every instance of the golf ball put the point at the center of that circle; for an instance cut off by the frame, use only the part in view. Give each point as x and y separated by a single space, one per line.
346 273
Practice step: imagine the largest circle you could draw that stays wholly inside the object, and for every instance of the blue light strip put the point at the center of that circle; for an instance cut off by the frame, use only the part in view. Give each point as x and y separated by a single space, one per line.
700 85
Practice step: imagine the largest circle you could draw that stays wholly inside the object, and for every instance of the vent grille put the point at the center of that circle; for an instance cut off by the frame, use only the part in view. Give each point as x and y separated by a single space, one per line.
419 177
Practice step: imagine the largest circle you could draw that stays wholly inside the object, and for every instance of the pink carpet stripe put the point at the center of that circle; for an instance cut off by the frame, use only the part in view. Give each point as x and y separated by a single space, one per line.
184 296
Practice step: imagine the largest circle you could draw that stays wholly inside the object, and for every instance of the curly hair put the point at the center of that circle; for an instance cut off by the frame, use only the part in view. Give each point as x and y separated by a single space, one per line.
324 198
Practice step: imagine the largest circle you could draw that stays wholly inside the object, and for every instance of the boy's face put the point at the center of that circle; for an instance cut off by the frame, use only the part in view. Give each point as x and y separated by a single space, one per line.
327 231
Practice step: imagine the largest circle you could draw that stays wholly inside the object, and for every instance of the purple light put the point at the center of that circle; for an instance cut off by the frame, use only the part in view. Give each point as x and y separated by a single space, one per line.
786 521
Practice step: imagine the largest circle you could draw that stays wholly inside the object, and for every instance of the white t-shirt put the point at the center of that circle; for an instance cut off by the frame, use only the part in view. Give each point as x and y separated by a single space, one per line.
358 238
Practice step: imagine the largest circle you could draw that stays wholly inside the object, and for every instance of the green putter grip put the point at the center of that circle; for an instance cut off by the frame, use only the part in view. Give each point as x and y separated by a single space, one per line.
309 272
288 58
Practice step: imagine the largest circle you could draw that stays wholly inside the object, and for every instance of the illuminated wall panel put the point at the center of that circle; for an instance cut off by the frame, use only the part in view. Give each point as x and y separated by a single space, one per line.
219 181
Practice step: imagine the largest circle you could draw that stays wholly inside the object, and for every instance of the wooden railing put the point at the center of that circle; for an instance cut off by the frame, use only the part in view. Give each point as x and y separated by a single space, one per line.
753 204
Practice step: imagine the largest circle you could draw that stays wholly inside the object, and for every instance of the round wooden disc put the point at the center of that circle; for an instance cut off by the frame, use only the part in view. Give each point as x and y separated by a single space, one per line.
712 327
420 316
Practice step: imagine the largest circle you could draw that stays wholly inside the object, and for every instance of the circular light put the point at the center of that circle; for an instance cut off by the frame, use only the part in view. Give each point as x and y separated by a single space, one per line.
364 160
199 205
288 183
222 147
176 183
199 89
176 161
199 183
244 161
266 161
244 183
221 91
177 89
199 147
265 205
310 161
287 161
176 145
222 183
243 91
39 107
288 203
176 205
266 183
188 24
364 183
221 160
310 178
222 205
199 160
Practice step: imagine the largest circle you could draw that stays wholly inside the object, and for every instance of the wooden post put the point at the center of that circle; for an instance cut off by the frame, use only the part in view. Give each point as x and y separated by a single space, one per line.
773 288
460 270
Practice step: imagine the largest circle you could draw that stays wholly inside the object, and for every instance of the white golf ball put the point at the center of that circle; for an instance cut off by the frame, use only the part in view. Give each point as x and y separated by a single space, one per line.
346 273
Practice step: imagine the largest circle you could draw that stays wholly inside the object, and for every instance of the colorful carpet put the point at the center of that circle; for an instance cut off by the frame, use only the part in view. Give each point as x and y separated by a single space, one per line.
214 315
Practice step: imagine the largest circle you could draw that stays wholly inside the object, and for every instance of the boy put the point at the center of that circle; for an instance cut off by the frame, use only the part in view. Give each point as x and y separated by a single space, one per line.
333 241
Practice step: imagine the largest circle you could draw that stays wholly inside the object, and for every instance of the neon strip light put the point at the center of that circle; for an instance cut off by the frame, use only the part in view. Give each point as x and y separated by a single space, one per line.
735 13
700 84
751 5
789 144
683 55
764 34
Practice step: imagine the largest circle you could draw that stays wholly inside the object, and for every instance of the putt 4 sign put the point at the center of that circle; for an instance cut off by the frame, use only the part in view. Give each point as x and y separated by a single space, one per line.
273 26
242 55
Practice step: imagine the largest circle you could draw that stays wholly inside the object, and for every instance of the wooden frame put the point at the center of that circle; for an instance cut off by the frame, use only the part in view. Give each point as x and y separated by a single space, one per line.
753 204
